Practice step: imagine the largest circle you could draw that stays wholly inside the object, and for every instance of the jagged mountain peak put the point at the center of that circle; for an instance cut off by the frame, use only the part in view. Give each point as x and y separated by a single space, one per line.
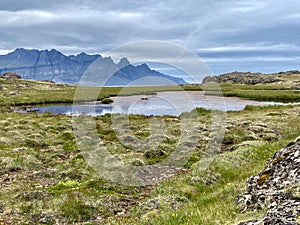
145 66
123 62
20 51
82 54
85 57
108 60
54 65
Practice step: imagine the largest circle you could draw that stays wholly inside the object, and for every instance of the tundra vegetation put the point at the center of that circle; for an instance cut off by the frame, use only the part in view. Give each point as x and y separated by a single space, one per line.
44 179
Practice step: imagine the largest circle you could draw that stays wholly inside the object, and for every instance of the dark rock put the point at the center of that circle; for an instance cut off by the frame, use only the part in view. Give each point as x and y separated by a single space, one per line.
10 76
153 153
290 72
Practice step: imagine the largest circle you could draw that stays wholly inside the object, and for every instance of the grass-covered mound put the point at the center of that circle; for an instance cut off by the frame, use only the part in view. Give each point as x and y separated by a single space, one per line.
278 87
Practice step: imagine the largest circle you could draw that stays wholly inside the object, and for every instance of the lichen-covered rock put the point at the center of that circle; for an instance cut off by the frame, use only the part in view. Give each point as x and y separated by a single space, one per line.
276 188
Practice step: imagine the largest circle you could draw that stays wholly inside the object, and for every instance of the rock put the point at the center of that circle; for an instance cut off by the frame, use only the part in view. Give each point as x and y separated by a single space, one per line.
153 153
10 76
208 179
137 162
242 78
290 72
276 188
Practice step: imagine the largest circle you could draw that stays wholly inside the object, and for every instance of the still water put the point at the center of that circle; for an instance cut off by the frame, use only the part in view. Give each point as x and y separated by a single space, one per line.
164 103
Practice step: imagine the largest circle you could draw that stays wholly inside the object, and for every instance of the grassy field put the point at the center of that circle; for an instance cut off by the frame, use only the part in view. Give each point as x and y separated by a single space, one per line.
276 93
44 179
21 92
24 92
284 87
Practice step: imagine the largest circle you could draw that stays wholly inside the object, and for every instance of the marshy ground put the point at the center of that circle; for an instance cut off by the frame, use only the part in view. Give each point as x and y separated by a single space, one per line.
44 179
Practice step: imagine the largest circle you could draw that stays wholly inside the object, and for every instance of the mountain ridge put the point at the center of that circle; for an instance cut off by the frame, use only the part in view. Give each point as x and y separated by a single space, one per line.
54 65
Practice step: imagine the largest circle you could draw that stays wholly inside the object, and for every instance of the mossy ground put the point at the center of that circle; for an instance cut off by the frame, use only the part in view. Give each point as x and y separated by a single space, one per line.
260 92
286 90
29 92
44 179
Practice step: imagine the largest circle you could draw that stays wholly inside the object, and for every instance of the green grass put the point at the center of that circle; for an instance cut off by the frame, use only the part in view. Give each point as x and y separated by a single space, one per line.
276 93
44 178
26 92
215 203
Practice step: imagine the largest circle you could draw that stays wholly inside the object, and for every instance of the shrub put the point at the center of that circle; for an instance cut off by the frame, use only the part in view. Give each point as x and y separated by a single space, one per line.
106 101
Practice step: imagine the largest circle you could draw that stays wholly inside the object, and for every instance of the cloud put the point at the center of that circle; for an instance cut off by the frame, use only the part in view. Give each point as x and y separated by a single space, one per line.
250 48
216 30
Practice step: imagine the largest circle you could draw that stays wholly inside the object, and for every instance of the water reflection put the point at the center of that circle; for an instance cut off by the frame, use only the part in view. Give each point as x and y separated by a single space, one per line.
164 103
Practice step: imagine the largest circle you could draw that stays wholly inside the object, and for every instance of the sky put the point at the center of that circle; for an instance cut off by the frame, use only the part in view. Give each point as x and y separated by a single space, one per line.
228 35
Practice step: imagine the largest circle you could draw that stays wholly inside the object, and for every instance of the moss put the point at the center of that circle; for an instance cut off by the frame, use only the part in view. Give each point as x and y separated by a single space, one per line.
189 192
294 191
76 210
263 177
275 161
65 186
193 159
298 219
38 153
155 155
34 143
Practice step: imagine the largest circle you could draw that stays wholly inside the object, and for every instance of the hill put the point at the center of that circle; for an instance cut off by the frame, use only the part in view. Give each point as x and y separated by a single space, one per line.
290 78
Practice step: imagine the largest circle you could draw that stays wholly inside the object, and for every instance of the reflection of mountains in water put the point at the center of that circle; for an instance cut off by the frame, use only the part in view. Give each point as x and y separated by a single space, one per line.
55 66
90 110
171 103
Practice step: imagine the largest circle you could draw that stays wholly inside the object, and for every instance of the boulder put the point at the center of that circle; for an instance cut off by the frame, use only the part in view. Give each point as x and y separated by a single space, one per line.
276 188
11 76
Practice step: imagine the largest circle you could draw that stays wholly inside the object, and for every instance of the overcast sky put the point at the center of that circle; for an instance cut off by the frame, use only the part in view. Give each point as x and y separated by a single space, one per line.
229 35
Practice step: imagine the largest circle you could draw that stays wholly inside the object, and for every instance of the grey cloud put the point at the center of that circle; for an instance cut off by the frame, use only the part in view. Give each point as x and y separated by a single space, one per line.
19 5
217 30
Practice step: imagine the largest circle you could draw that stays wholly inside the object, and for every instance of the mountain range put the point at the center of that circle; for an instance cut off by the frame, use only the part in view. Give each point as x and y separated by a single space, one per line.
54 65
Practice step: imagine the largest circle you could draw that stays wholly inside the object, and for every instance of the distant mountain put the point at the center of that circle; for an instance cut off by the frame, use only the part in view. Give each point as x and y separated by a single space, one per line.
53 65
46 65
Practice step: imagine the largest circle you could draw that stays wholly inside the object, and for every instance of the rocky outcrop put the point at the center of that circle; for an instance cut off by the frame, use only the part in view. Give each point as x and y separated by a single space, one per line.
55 66
10 76
242 78
276 188
290 72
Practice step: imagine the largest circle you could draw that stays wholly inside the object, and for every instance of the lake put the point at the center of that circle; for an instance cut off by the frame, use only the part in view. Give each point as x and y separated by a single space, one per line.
164 103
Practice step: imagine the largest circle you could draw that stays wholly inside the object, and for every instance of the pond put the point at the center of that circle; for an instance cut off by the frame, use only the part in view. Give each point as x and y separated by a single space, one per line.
163 103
